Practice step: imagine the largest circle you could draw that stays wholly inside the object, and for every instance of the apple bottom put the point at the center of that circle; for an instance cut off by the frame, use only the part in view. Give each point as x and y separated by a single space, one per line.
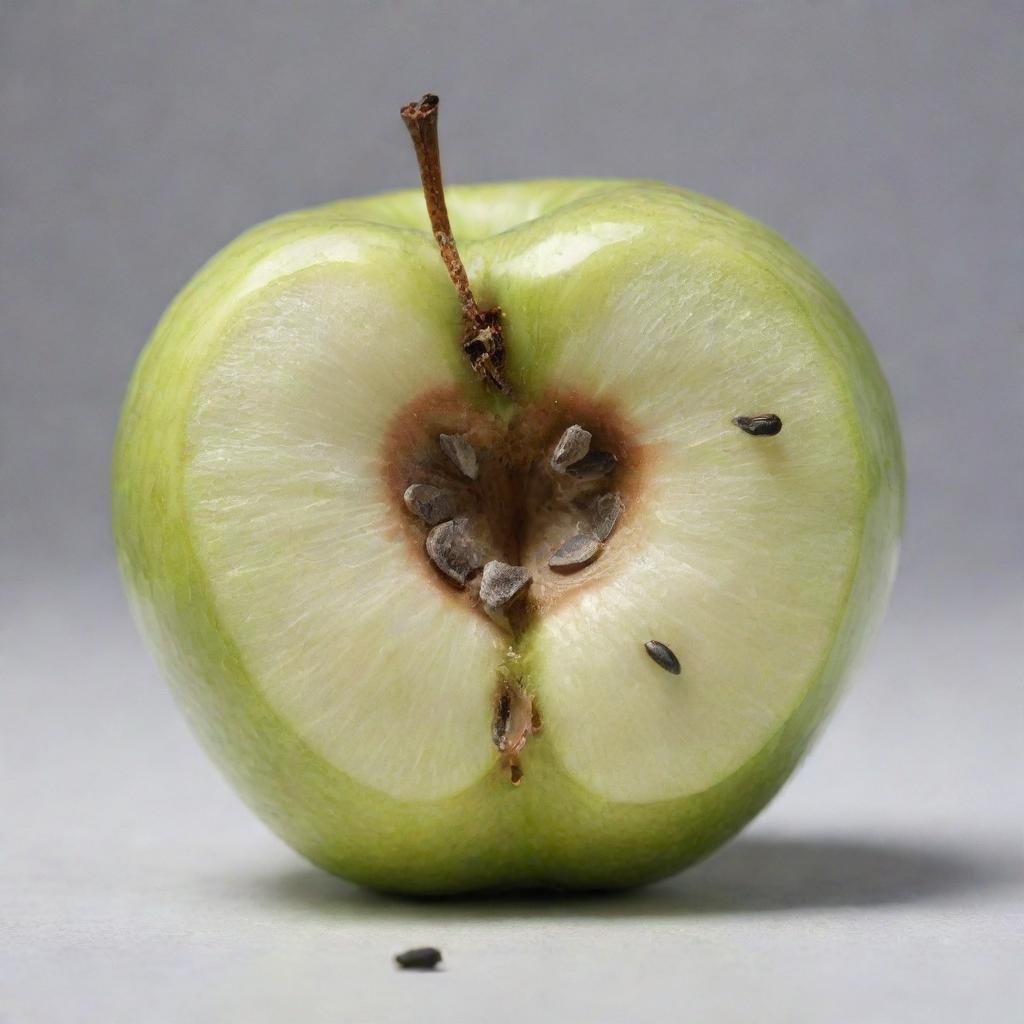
553 833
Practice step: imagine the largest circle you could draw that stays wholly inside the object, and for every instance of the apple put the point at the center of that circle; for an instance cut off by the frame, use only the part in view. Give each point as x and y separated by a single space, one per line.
545 579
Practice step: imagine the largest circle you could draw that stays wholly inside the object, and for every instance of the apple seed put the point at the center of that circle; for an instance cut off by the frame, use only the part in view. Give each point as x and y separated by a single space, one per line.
763 425
501 583
605 512
423 959
662 655
572 446
450 547
428 503
461 453
592 466
578 551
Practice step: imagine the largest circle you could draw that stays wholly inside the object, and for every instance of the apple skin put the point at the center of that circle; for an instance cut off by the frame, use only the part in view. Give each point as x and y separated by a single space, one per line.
551 831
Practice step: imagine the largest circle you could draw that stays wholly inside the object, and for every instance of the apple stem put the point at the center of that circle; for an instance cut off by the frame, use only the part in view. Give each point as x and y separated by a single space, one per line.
483 339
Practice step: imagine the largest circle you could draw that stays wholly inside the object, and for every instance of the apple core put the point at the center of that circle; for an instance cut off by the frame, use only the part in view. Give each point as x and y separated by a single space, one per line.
512 513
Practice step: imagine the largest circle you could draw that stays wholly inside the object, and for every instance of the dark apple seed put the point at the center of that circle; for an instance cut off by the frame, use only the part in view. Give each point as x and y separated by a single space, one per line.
461 453
450 547
592 466
572 446
578 551
428 503
604 514
424 959
662 655
763 425
501 583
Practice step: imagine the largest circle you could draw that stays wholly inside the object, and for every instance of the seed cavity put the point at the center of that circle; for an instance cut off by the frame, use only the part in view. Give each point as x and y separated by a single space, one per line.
592 466
423 959
763 425
428 503
530 498
605 511
663 656
461 454
451 548
502 583
572 446
579 550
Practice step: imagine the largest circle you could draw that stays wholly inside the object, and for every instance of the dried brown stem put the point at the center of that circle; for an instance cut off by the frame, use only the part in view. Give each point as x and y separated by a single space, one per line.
483 339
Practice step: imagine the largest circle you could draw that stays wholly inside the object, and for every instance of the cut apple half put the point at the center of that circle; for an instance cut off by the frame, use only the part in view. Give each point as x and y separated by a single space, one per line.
574 627
326 402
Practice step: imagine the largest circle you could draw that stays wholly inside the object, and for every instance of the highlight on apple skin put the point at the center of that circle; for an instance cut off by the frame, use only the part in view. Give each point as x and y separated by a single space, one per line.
549 578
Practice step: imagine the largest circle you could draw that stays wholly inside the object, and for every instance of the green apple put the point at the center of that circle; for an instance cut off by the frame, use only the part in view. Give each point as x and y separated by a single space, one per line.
461 599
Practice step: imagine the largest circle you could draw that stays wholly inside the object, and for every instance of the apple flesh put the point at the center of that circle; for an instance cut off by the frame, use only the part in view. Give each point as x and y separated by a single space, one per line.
297 388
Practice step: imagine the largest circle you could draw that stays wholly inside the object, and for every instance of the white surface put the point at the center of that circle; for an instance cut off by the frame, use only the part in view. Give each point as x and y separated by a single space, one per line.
883 885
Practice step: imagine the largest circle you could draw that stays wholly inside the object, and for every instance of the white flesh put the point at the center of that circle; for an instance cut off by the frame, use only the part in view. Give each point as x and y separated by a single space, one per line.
739 557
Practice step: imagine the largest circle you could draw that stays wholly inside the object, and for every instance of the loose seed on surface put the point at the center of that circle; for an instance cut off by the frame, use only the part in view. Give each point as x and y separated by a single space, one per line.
423 959
428 503
450 547
592 466
578 551
763 425
662 656
604 514
572 446
501 583
461 453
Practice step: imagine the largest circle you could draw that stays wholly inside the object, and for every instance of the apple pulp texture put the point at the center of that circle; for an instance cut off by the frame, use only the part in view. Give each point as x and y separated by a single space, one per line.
349 704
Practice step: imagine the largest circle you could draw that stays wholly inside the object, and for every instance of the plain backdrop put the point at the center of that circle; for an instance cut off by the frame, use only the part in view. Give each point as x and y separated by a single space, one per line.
884 139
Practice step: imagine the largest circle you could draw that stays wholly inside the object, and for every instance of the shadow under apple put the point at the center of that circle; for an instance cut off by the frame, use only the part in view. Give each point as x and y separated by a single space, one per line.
759 874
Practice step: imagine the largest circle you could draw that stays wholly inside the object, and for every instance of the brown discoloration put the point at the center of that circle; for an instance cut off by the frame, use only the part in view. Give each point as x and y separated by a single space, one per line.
521 510
612 431
514 720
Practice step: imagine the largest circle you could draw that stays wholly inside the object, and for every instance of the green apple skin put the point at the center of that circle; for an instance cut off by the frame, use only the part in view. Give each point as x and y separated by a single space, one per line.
551 831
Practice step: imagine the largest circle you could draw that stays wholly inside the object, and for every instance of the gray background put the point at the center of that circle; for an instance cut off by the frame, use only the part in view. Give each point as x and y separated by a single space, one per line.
883 139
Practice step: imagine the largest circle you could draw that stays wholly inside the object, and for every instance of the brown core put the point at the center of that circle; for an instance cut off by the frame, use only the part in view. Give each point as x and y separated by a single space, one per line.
519 510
